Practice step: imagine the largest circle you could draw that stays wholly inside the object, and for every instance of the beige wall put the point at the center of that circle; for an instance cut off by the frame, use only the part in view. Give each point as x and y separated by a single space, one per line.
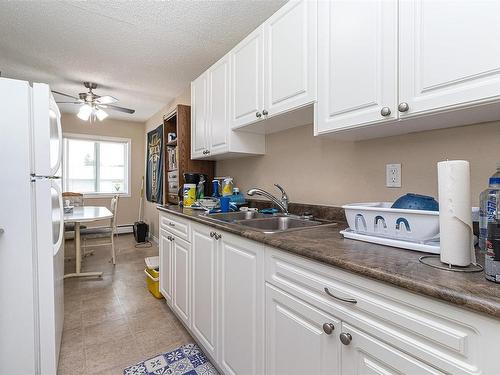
324 171
150 211
128 207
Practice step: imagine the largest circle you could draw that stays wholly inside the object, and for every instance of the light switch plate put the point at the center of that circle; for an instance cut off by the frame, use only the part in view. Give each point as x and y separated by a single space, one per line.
393 175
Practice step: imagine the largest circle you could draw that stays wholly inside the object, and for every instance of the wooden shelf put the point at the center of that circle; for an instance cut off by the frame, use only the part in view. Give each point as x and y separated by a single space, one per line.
179 122
172 143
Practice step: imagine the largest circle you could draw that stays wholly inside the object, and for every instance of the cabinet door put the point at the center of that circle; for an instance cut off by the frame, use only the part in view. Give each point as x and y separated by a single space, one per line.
448 53
290 57
247 79
294 332
357 63
366 355
219 121
165 265
199 116
181 277
241 322
204 288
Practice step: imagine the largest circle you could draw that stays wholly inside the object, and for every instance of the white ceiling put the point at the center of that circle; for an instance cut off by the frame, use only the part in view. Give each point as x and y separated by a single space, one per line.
144 53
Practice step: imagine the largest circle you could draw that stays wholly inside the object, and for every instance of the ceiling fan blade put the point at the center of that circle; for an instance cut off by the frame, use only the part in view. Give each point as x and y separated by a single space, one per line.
69 96
107 99
120 109
69 102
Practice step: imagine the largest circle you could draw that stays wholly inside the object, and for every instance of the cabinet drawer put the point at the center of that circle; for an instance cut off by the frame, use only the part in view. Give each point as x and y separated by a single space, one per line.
428 329
175 225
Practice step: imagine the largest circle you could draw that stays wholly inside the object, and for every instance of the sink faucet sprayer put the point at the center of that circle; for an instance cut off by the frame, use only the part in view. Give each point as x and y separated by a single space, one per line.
281 203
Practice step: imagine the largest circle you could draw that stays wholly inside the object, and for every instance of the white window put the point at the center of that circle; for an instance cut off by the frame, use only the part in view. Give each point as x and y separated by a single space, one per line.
96 166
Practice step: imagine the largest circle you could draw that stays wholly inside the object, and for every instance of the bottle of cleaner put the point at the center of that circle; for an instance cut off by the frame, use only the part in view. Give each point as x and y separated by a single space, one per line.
488 207
227 186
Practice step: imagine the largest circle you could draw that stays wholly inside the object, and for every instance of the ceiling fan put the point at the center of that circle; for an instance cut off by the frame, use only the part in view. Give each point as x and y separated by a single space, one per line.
93 105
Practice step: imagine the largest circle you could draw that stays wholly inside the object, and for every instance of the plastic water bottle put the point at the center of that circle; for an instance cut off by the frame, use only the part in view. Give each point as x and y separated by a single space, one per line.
488 207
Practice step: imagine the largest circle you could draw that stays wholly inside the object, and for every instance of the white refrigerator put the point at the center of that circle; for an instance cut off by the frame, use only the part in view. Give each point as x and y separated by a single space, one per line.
31 229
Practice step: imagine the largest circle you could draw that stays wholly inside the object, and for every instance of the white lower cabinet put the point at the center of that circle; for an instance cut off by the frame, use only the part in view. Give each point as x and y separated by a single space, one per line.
257 310
165 246
241 303
181 279
363 354
300 339
204 287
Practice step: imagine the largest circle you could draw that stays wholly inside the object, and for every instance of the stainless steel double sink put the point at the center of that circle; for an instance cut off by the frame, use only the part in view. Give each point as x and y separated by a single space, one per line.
266 223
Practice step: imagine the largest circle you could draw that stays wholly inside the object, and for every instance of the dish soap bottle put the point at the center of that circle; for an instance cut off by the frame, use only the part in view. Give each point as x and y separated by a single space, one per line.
488 207
227 187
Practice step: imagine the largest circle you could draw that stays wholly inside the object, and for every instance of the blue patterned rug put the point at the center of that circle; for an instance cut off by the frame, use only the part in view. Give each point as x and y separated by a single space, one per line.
185 360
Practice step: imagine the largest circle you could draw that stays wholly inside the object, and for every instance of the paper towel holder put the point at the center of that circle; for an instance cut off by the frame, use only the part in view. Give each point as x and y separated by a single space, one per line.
434 261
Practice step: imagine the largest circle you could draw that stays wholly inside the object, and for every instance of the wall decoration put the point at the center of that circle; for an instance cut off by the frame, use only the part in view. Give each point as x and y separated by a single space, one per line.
154 168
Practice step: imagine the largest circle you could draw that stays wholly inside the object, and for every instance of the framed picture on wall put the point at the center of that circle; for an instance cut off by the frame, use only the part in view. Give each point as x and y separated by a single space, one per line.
154 167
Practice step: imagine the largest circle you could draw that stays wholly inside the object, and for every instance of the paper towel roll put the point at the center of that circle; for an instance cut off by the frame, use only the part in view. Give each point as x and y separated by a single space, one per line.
455 218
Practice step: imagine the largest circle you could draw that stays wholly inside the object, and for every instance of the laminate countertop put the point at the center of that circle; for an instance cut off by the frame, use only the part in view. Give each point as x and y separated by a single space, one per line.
395 266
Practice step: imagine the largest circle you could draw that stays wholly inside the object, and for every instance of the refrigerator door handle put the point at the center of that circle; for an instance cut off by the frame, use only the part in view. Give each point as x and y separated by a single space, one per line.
54 111
57 245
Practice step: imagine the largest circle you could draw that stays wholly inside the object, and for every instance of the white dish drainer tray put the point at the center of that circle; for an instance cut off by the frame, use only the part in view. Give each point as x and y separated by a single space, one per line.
380 220
377 222
432 246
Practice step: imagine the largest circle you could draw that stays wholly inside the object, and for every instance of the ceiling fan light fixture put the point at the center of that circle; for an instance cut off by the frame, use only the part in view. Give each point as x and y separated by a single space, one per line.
101 115
85 112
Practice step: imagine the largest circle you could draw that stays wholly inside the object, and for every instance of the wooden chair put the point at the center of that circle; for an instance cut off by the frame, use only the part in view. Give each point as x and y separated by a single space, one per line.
76 199
102 232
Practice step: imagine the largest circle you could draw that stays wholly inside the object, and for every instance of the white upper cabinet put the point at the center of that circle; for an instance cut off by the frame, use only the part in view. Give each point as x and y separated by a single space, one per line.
449 54
247 79
199 116
290 40
357 63
213 118
219 125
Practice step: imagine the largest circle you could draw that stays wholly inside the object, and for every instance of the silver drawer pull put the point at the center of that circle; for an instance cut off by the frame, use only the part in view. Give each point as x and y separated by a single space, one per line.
171 224
350 300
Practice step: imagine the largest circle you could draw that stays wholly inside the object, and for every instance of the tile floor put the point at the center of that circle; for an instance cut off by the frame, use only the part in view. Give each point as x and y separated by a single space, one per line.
114 322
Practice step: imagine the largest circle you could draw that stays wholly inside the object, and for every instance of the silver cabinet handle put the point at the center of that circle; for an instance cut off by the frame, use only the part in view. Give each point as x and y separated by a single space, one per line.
264 112
258 115
171 224
218 236
403 107
328 328
350 300
212 234
386 111
345 338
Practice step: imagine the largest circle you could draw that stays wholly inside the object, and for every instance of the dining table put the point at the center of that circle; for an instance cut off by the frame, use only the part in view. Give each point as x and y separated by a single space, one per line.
77 216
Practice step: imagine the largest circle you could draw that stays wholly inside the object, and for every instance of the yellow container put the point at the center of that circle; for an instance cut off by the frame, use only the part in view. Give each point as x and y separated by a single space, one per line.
153 280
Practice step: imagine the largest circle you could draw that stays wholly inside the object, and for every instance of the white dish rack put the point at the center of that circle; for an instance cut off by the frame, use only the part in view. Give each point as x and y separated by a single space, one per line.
378 223
380 220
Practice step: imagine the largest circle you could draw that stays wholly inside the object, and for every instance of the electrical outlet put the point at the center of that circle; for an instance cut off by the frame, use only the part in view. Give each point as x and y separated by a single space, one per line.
393 175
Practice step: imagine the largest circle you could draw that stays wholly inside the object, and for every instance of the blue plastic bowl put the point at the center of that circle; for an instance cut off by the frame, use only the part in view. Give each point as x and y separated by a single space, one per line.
412 201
